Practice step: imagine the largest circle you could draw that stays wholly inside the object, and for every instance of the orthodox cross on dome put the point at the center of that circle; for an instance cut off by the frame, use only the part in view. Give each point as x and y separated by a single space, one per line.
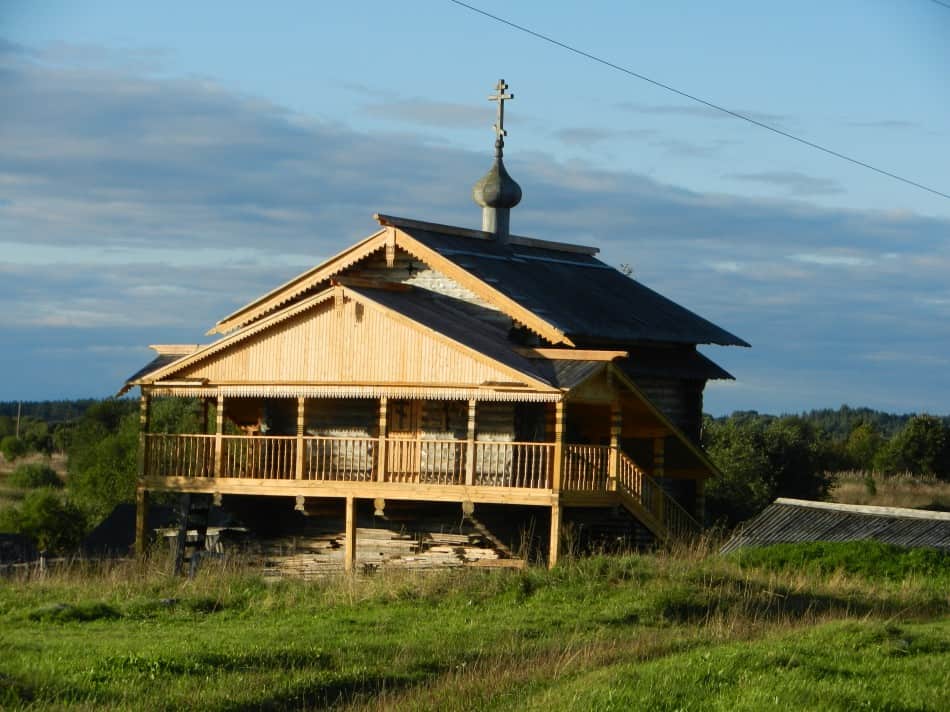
501 97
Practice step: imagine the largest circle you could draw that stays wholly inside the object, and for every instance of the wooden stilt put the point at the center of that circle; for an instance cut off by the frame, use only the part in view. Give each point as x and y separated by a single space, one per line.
141 521
555 544
349 539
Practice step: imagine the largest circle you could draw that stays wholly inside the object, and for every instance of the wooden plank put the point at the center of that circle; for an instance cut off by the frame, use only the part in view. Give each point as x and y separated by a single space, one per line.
569 354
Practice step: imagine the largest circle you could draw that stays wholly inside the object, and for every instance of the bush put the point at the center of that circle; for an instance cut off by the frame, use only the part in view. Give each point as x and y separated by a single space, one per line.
53 522
12 447
33 475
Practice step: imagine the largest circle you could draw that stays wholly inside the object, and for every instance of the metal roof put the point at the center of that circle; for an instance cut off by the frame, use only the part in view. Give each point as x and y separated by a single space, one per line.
788 521
582 296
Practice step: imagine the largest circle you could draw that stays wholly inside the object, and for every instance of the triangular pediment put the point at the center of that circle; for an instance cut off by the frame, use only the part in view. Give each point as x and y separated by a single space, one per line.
345 336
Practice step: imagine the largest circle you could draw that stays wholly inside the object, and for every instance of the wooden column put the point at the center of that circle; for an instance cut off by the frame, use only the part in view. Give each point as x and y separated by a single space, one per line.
470 444
659 457
558 446
616 425
381 458
349 537
219 435
555 544
141 521
301 406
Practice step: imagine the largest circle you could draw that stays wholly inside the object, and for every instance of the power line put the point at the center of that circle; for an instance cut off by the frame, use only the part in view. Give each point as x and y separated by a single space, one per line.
940 2
704 102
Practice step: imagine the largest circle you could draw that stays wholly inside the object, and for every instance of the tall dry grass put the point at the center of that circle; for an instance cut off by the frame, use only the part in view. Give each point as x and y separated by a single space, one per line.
904 490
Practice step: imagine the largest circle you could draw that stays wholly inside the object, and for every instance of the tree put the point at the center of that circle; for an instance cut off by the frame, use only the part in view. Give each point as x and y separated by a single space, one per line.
762 458
863 445
102 450
922 447
54 523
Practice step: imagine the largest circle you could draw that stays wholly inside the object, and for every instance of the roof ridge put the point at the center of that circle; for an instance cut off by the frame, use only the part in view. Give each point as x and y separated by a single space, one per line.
523 241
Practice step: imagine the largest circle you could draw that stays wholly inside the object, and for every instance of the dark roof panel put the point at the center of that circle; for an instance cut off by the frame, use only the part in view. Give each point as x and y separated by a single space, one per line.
156 363
580 295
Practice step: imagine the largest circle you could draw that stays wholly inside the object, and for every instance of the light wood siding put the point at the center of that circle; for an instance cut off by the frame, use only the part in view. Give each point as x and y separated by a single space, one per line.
421 276
349 344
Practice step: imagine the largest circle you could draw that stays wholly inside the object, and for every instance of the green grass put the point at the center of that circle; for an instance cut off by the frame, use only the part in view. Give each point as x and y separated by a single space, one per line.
621 632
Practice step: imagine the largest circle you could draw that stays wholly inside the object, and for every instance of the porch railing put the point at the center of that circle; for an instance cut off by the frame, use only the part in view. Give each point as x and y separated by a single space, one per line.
586 467
259 458
513 464
173 455
435 462
677 522
339 459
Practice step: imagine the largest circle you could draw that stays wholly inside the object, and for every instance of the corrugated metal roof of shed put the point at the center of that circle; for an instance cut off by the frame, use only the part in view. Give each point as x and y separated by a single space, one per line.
788 521
579 294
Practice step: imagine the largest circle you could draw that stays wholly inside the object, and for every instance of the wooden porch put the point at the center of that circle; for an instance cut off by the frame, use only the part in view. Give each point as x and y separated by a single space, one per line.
470 472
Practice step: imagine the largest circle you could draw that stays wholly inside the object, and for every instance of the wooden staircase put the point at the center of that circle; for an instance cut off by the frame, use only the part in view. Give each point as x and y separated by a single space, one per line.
648 501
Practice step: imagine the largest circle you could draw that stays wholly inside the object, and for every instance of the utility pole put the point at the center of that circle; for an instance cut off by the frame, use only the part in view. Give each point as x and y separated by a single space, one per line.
19 404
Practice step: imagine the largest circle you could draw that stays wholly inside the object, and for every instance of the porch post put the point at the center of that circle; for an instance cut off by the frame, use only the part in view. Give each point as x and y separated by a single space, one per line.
659 456
470 444
349 537
616 425
300 426
382 459
219 435
555 543
141 521
558 447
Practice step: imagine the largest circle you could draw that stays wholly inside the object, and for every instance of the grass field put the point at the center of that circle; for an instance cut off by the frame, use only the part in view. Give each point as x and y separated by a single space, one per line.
688 631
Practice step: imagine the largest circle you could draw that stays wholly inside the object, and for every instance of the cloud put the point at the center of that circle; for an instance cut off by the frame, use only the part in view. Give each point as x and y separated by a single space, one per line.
425 112
795 183
587 136
137 209
698 111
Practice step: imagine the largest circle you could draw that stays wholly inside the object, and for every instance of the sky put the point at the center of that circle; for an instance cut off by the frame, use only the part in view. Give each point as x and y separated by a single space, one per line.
162 164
